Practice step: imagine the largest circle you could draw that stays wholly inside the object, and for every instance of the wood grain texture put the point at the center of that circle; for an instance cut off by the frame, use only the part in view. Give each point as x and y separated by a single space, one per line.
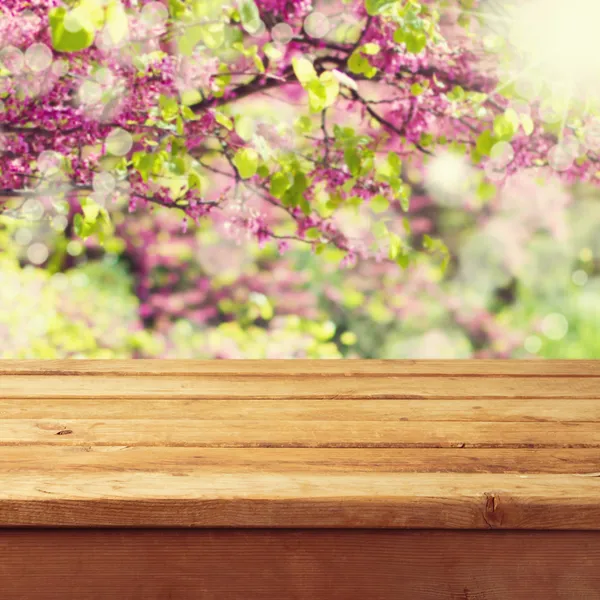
303 565
246 433
313 444
300 499
294 386
508 410
184 461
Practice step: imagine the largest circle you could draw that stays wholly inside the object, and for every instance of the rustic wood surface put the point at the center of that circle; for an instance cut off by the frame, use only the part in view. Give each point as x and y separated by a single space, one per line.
311 444
299 565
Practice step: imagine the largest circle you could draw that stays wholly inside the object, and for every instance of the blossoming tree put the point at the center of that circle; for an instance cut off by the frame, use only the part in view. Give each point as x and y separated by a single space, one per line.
325 123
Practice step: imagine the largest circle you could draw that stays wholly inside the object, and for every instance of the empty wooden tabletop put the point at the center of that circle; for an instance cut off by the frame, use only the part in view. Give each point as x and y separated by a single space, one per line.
311 444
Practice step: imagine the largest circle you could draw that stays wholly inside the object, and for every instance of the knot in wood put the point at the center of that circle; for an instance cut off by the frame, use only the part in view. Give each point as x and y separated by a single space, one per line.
493 513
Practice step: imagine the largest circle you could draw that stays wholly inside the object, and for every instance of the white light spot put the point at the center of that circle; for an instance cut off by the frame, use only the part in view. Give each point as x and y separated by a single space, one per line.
521 107
282 33
119 142
37 253
591 136
579 277
103 76
104 183
448 177
59 223
493 171
549 114
59 281
90 92
38 57
560 157
60 67
12 59
80 280
556 41
533 344
555 326
49 162
74 248
154 14
317 25
33 209
23 236
502 154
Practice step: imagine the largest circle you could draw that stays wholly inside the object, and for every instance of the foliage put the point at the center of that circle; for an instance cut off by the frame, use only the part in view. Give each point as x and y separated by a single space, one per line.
273 178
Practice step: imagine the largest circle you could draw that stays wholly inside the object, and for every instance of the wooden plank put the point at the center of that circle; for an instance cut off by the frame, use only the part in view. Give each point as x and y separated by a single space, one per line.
304 565
296 387
307 500
543 409
298 434
316 368
182 461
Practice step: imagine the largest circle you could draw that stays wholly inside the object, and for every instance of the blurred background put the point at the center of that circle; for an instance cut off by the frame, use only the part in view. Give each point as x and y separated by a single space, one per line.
523 280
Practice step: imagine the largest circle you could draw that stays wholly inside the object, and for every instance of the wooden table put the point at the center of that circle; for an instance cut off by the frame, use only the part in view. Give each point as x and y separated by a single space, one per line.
251 480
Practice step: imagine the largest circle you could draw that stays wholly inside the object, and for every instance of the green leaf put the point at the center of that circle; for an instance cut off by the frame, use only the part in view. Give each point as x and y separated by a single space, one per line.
485 142
415 41
331 86
436 246
395 245
317 95
213 35
194 180
394 161
246 162
486 191
505 126
223 120
313 233
357 63
64 40
258 63
379 204
405 192
370 48
250 16
353 160
117 24
457 94
272 52
280 182
169 107
348 338
416 89
78 224
379 229
376 7
244 127
294 195
527 123
304 70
